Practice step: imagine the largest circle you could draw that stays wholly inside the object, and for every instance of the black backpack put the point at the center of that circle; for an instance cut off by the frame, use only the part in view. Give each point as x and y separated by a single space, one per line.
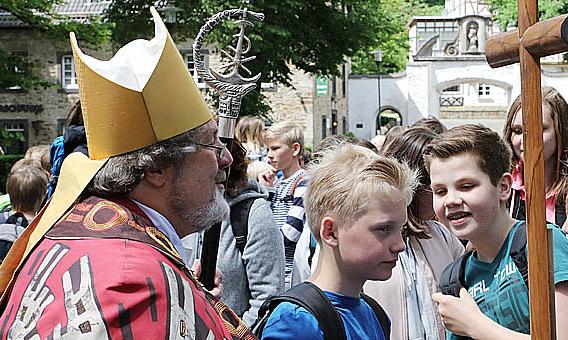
240 214
313 299
452 278
519 210
239 221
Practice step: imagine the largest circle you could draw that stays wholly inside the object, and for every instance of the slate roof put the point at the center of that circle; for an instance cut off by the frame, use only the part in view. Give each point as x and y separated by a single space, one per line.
8 20
75 9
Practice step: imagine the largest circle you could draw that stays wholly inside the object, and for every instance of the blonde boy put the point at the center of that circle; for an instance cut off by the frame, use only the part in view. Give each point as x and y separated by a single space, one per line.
285 142
356 207
469 171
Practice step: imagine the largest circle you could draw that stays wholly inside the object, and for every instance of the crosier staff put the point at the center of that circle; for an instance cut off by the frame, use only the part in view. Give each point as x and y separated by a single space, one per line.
231 87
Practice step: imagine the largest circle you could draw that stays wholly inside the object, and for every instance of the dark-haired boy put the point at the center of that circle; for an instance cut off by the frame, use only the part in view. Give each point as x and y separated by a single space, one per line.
469 169
26 185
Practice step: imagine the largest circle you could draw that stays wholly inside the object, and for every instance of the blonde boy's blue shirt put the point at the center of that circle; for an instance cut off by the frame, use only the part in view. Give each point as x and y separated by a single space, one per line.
289 321
498 287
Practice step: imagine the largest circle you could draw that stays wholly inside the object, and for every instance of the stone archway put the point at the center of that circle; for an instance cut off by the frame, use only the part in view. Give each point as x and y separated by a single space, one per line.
386 119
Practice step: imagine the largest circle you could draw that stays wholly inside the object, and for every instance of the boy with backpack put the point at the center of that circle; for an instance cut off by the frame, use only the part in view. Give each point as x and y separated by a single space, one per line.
469 171
285 142
356 208
27 187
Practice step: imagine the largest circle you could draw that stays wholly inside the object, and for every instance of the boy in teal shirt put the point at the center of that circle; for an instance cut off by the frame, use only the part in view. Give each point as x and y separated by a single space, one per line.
469 170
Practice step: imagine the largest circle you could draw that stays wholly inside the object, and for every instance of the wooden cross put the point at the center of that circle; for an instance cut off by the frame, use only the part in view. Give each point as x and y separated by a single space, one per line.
531 41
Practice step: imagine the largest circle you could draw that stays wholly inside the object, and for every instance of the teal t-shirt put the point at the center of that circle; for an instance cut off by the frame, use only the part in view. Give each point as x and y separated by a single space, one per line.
498 287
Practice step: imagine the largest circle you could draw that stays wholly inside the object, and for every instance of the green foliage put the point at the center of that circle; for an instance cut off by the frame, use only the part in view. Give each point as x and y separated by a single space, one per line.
392 37
505 12
349 134
18 71
6 162
11 140
313 36
7 137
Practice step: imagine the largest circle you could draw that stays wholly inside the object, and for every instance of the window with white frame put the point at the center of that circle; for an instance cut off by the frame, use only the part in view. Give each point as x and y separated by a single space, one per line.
68 73
483 90
456 89
188 58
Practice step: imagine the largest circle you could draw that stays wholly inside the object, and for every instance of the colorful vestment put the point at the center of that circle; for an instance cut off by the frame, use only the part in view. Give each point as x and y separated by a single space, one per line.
104 271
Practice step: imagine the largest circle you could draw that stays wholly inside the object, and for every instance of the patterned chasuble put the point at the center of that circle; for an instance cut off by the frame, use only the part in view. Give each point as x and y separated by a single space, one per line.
105 272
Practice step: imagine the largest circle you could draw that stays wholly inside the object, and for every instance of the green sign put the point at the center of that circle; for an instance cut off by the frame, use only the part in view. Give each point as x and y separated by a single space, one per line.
322 86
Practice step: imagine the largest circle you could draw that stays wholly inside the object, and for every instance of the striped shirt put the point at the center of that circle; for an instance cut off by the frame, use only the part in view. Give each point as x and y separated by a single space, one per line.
288 208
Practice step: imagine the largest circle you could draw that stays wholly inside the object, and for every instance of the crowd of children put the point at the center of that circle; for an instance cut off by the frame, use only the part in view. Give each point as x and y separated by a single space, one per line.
356 240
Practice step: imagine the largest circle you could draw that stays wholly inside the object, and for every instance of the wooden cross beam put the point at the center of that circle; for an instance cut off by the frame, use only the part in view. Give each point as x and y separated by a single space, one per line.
531 41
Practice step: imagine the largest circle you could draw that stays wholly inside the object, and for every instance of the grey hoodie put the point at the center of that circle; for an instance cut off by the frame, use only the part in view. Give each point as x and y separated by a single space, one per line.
257 275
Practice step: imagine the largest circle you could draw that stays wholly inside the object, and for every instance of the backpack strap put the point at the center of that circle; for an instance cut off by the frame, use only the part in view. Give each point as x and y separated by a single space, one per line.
453 278
4 217
560 213
518 209
239 222
311 298
295 184
290 196
518 252
379 313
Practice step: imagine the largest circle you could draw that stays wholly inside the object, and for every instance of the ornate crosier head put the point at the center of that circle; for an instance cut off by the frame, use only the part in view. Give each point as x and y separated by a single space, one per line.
231 85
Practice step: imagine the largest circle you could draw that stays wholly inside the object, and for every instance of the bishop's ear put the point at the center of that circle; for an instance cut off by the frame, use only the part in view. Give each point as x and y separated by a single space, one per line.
157 177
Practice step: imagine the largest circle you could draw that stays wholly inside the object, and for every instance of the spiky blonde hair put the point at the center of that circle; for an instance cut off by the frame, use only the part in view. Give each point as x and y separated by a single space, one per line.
347 178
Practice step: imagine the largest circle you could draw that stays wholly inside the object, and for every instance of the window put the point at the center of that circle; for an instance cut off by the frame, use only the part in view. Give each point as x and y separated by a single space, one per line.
323 126
343 80
188 58
14 136
68 73
334 87
271 87
334 122
452 89
15 72
61 126
437 26
483 90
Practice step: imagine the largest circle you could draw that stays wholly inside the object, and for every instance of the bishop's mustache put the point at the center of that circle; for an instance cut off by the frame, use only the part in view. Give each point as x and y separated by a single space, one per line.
221 176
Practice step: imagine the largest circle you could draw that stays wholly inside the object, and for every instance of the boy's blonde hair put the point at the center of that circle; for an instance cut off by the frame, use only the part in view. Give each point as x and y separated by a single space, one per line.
347 179
250 132
286 132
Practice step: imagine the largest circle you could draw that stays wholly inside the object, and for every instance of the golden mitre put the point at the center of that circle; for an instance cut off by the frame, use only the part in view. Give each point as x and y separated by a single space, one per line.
143 95
145 88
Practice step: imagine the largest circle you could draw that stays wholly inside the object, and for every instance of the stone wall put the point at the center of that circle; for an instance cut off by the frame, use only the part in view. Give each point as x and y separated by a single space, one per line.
54 101
296 104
